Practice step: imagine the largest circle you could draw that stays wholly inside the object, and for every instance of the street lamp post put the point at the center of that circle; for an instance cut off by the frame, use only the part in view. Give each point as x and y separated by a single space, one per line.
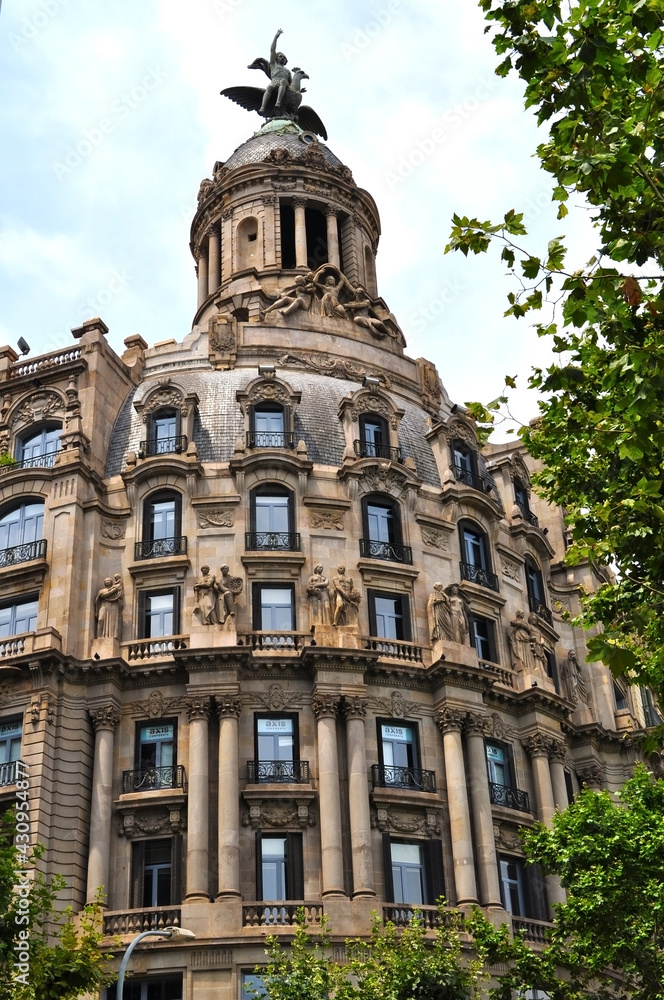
174 933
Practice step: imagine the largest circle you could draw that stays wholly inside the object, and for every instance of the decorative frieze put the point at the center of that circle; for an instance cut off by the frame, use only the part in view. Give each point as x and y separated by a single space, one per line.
113 529
215 517
275 699
436 539
155 706
387 819
261 815
331 518
151 822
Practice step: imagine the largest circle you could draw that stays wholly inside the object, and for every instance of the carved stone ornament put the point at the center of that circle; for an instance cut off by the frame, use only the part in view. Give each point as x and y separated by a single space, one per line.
325 706
537 745
164 396
558 751
354 707
430 389
222 336
387 819
228 705
289 813
113 529
326 517
335 367
459 430
148 822
156 706
275 699
508 837
511 570
269 391
211 958
105 717
379 480
500 729
216 517
592 775
372 403
477 724
36 408
436 539
450 720
395 706
198 707
518 470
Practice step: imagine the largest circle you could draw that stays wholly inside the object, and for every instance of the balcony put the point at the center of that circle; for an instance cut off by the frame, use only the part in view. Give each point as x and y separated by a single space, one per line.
136 921
45 461
396 649
270 439
535 931
541 611
163 446
511 798
272 541
46 361
161 547
23 553
371 549
276 642
278 771
367 449
150 778
384 776
153 649
527 514
9 773
401 915
280 914
475 574
469 478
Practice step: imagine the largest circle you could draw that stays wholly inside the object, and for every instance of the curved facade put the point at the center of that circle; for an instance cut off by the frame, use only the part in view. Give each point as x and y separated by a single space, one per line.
281 633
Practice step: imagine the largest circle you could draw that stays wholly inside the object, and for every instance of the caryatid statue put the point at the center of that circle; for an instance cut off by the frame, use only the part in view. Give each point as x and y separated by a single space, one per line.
319 598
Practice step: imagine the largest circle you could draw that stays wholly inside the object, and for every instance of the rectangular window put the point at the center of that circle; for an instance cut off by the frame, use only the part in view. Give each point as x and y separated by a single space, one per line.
482 637
155 754
408 873
19 616
413 871
398 745
389 616
276 738
522 888
252 986
10 750
279 868
159 613
156 873
274 607
499 765
153 988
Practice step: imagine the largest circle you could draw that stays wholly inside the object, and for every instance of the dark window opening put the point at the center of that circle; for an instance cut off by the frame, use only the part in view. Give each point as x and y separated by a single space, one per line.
499 764
374 441
287 216
620 696
156 872
154 988
413 871
252 237
523 889
316 228
159 613
482 637
279 867
389 616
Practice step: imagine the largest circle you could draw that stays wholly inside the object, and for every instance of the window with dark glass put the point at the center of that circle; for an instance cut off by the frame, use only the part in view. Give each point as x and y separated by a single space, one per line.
38 448
159 613
475 561
398 754
155 758
21 533
272 519
620 696
276 748
280 869
374 439
10 749
483 638
268 427
164 433
463 457
522 888
274 607
156 872
502 784
389 616
413 871
521 495
252 982
382 530
535 585
18 616
162 526
152 988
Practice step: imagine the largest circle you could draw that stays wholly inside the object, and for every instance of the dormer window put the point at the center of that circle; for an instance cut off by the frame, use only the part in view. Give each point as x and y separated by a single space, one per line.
269 427
374 441
37 449
164 434
464 466
522 500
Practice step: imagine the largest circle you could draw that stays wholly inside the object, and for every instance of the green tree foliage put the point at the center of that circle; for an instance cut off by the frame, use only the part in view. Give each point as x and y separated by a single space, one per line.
65 957
594 72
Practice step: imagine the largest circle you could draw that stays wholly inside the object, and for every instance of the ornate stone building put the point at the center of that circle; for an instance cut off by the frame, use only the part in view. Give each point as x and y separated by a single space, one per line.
275 631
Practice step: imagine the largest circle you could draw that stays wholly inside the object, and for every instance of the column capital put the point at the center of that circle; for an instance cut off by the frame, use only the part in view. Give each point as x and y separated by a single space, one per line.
299 202
558 750
228 705
476 724
537 745
325 705
212 229
105 717
227 214
592 775
198 707
354 707
450 720
331 210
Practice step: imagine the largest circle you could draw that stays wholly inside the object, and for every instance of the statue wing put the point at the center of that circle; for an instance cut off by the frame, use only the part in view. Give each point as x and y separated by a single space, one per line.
310 122
249 98
263 64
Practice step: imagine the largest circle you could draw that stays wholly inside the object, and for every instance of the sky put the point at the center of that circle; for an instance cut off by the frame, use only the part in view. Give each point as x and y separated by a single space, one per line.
111 116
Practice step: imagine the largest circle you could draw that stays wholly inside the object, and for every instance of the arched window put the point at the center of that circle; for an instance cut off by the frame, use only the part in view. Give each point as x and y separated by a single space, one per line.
374 441
381 518
269 427
164 437
21 531
38 448
272 519
522 499
475 557
162 517
536 593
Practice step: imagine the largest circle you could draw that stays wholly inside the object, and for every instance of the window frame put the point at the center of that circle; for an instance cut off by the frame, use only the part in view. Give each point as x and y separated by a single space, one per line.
293 863
161 496
20 600
154 723
405 724
534 573
532 885
136 988
433 868
143 596
406 624
31 432
273 490
257 605
473 619
286 433
461 447
138 871
371 449
509 763
292 717
465 525
152 440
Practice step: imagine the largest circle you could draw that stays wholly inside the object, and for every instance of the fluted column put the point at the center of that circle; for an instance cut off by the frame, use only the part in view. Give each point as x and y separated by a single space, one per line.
214 257
558 753
325 708
198 710
538 747
485 842
332 237
228 710
355 709
300 232
450 722
202 272
105 720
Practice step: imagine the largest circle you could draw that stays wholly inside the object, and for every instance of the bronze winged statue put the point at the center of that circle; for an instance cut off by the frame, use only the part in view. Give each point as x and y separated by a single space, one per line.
282 98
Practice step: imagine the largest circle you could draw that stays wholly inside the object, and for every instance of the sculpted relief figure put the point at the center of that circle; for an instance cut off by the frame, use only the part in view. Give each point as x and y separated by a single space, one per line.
298 297
458 613
205 590
319 598
108 608
365 315
439 614
228 587
331 287
520 638
346 599
574 686
540 660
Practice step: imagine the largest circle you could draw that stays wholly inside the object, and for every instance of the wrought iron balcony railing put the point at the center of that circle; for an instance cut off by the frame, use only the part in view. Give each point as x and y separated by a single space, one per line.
161 547
475 574
469 478
527 514
541 610
511 798
367 449
384 776
45 461
280 541
163 446
23 553
270 439
146 779
371 549
273 771
9 773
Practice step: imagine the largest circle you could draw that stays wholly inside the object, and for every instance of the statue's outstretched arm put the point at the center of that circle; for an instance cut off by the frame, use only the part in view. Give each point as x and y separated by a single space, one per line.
273 47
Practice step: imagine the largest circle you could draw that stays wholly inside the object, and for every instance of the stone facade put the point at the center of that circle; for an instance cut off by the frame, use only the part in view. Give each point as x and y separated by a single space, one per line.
309 719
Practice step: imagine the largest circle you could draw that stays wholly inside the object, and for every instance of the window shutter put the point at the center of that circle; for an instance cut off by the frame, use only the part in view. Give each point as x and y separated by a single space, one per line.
176 870
259 867
405 611
433 864
176 610
137 873
294 866
372 612
142 623
536 897
387 869
257 618
289 423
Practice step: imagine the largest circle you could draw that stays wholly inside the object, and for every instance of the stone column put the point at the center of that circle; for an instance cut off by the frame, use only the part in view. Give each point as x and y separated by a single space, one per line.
538 747
325 708
214 258
228 709
332 237
450 722
355 709
300 232
485 842
557 766
202 271
198 710
105 721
